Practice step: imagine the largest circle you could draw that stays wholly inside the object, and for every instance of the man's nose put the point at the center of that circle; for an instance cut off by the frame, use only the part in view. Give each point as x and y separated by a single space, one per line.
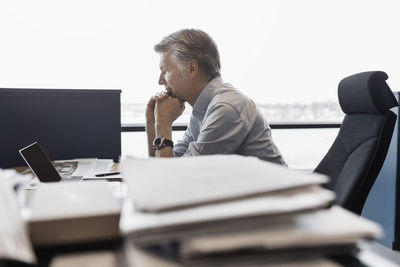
161 79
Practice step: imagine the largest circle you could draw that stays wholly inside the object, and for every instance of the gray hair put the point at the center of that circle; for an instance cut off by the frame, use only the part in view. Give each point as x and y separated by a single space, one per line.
189 44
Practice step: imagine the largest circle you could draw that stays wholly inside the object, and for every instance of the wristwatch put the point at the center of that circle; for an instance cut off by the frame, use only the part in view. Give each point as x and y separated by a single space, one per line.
160 142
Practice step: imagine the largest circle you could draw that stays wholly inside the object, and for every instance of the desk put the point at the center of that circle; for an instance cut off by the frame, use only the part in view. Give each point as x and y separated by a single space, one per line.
123 253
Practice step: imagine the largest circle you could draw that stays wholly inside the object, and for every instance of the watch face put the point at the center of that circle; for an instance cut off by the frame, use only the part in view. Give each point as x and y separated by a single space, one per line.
161 142
157 141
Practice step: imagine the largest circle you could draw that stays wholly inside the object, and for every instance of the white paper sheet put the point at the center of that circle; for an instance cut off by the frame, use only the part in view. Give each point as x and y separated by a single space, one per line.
143 258
158 184
58 201
14 240
135 222
88 168
324 227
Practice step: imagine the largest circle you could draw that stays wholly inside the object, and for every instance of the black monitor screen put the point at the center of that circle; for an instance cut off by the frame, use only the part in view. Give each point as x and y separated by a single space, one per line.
68 123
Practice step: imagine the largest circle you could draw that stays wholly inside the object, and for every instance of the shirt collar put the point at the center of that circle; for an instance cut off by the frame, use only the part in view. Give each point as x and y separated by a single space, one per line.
204 99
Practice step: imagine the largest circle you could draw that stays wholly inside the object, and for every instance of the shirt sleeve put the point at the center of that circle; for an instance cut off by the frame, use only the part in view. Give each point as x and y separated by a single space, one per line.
222 132
182 145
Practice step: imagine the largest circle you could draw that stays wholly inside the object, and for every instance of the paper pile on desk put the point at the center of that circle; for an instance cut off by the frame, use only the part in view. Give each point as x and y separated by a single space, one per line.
14 239
327 232
70 213
214 205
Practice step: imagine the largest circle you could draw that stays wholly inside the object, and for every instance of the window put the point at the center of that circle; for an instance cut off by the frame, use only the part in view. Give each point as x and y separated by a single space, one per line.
289 55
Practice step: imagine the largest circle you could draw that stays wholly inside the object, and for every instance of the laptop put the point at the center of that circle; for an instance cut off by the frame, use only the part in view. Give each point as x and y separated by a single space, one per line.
40 164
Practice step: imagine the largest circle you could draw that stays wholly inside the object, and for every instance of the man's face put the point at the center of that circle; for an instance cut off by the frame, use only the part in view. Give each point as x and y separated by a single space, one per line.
173 78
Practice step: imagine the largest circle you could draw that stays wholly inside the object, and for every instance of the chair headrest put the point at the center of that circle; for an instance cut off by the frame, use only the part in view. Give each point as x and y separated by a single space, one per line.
366 92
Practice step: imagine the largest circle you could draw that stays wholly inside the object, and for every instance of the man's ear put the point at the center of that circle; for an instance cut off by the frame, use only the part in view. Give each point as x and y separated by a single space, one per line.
193 68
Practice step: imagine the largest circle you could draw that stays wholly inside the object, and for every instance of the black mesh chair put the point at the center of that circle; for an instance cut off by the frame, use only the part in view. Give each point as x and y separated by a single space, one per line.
356 157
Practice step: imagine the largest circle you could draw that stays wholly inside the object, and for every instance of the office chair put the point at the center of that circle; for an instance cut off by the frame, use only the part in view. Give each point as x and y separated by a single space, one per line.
356 157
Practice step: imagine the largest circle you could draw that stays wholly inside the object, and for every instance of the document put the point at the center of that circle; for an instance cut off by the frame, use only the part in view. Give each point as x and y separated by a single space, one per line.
149 228
160 184
142 257
86 168
14 240
334 226
65 213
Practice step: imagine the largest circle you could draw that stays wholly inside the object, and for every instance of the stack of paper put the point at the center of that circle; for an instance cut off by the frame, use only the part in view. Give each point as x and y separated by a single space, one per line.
230 209
14 239
326 232
68 213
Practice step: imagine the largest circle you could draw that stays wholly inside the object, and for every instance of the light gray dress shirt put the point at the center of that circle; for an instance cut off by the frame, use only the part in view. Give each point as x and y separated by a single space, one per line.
224 121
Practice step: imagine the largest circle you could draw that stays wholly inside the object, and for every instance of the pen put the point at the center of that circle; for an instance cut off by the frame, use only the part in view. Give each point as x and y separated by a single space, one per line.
106 174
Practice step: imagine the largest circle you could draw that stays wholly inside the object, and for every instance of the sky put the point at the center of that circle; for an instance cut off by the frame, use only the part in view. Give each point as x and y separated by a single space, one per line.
280 51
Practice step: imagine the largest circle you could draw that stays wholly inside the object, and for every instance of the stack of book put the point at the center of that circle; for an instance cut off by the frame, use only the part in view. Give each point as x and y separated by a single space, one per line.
73 213
230 210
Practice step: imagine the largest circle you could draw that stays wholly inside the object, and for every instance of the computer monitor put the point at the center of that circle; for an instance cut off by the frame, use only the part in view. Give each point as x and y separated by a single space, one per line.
70 123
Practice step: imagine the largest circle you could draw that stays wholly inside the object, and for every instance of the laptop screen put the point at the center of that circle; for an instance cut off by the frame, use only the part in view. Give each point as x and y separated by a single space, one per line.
39 163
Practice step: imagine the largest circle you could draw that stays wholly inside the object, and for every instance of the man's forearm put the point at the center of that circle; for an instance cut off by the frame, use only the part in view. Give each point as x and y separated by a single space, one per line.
167 110
151 134
163 129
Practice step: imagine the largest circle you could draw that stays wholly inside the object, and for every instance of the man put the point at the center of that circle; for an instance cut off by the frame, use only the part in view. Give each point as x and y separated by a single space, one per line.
223 121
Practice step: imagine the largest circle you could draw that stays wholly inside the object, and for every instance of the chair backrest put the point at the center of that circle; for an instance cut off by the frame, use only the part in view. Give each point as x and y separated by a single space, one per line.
356 157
